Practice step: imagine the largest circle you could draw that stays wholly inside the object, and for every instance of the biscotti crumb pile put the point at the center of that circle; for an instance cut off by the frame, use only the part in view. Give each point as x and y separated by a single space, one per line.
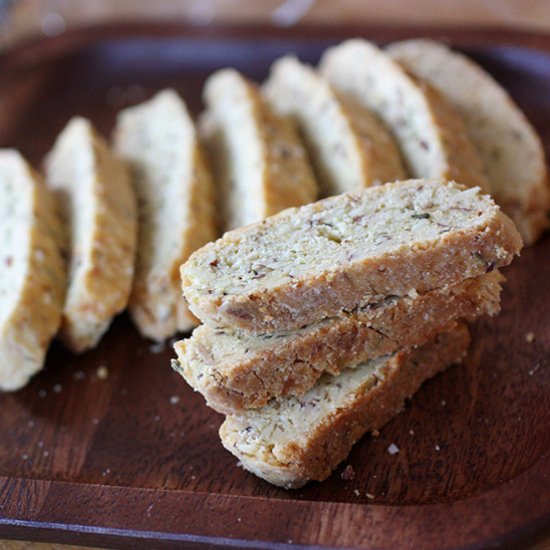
320 321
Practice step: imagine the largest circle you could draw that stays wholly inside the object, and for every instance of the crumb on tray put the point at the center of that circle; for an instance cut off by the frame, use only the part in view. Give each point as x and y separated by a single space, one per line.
102 372
348 473
393 449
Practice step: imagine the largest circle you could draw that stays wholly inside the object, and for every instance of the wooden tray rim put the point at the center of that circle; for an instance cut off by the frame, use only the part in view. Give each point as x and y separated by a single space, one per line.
29 51
40 523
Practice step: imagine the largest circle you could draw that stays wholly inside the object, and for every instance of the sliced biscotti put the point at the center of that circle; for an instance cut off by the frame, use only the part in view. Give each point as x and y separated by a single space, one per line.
32 273
176 207
94 193
349 146
432 136
258 159
307 264
298 439
505 140
234 370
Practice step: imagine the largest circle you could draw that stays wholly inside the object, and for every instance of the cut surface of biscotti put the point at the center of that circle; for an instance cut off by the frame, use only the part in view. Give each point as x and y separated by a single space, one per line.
307 264
259 161
93 190
505 140
349 146
432 136
236 371
298 439
176 208
32 276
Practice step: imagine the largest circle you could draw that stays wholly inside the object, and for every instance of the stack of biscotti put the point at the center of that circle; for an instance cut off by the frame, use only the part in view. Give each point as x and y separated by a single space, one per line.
320 321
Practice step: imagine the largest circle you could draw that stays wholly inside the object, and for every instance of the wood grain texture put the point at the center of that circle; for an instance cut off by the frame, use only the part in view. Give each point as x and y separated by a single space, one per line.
30 545
32 17
133 460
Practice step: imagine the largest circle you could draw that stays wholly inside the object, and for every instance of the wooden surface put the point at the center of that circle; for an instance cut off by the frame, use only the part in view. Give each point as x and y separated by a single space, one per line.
133 460
31 545
50 17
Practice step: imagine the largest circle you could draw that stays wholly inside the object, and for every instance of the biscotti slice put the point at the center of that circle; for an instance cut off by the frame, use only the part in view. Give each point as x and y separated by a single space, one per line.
236 371
299 439
258 159
176 207
307 264
94 193
32 276
505 140
349 146
431 135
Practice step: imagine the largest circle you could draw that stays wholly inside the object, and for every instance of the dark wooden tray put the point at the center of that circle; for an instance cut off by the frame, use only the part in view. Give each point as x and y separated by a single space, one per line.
134 460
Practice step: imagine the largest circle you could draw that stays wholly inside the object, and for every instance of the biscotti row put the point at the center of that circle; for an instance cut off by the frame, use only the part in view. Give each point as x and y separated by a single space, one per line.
376 287
369 116
92 260
444 111
109 263
109 266
70 247
127 219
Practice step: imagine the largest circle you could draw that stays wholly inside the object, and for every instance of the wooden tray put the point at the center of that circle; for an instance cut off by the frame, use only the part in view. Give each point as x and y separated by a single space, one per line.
134 460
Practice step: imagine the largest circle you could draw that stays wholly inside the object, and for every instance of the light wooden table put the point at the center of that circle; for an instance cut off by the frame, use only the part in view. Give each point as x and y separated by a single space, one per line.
51 17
